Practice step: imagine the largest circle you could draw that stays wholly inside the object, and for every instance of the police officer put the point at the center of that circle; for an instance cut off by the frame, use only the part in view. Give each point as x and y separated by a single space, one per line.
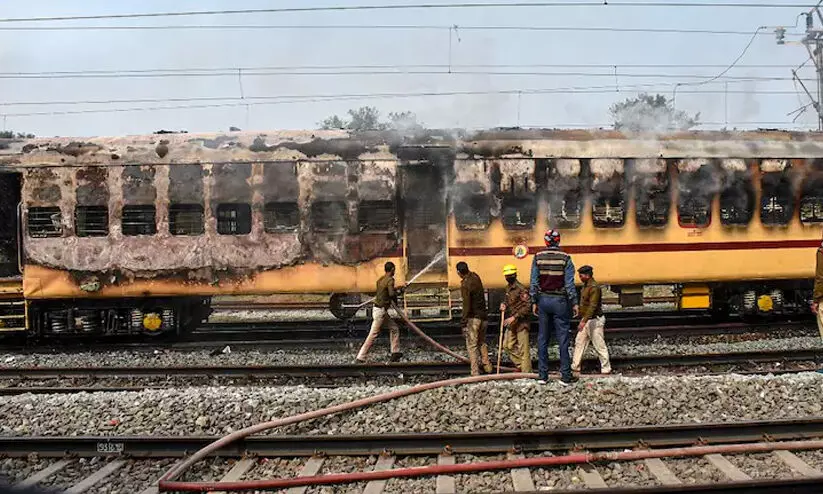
517 309
552 291
386 294
474 321
592 322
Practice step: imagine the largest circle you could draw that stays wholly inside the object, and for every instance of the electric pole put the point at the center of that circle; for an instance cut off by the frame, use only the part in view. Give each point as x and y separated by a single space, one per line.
813 42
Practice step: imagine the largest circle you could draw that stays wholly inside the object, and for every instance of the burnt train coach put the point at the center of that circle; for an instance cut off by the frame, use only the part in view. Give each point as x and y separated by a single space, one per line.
134 235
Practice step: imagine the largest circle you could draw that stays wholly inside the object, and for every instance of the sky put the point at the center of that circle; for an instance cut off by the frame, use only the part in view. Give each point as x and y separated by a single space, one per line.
453 70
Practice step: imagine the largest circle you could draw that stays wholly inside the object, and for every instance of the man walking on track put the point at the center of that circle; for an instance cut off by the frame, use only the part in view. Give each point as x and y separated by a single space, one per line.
552 291
517 310
592 322
474 321
817 295
386 294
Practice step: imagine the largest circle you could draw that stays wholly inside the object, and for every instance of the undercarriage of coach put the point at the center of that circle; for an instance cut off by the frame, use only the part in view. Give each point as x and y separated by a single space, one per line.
117 317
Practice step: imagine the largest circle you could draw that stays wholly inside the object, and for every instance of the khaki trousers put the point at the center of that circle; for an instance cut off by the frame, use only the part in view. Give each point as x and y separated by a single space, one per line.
820 319
516 345
380 318
476 346
592 331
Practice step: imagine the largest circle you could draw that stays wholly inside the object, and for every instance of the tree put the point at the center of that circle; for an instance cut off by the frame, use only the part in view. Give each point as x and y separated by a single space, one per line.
368 118
10 134
647 113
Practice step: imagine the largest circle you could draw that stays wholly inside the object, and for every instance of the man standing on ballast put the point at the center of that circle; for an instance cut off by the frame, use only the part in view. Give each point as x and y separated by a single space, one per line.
553 294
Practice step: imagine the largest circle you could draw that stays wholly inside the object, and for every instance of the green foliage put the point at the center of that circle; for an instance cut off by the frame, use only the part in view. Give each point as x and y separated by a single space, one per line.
10 134
647 113
368 118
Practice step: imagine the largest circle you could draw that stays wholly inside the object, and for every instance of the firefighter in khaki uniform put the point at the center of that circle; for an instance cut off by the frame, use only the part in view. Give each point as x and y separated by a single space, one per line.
474 321
817 295
386 294
592 322
517 308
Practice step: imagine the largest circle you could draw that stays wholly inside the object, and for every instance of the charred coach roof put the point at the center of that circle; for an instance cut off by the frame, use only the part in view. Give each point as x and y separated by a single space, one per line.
343 145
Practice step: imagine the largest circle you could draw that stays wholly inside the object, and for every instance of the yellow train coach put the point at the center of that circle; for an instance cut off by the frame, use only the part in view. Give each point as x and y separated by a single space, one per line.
135 234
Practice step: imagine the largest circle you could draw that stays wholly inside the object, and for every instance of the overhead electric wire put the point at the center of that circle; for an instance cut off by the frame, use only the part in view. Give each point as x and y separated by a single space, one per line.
291 99
409 6
434 27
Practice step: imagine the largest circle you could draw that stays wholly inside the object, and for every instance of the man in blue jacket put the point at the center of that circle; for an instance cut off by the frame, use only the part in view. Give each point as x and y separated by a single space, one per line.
553 293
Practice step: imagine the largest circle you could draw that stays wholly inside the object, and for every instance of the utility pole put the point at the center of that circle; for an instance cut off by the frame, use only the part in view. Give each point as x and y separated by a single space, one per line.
813 42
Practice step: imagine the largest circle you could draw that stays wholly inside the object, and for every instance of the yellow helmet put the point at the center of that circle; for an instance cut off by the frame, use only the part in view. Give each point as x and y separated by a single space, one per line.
509 269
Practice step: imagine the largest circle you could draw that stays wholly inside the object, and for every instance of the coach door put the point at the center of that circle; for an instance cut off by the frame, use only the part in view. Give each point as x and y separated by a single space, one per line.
12 305
424 246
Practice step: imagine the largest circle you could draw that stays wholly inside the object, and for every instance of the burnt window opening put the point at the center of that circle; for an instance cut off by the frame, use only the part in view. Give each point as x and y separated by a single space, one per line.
609 202
776 199
652 201
565 210
91 221
234 219
281 217
472 212
420 213
811 197
186 219
737 200
694 204
139 220
377 216
45 222
518 213
330 216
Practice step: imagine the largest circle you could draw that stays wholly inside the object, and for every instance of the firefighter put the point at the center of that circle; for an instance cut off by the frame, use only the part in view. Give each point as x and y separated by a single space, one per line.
517 308
553 293
386 294
474 321
591 323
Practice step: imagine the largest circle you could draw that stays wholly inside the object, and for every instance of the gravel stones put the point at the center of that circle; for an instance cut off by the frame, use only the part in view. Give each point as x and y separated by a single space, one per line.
516 405
761 465
495 481
133 477
13 470
631 473
695 470
412 485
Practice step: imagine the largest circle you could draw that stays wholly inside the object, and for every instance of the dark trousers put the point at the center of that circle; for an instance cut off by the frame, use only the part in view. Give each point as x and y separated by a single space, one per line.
554 316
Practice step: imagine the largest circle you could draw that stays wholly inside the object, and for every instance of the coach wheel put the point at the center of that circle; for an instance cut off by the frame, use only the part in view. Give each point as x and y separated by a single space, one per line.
344 305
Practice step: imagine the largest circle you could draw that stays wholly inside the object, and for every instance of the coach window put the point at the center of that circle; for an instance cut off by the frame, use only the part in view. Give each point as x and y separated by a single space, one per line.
330 216
519 213
653 200
776 199
91 221
565 209
139 220
811 200
609 202
377 216
45 222
737 200
694 204
281 217
233 219
186 219
472 212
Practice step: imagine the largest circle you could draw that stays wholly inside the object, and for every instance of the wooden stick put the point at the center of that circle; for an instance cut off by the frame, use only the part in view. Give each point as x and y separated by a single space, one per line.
500 340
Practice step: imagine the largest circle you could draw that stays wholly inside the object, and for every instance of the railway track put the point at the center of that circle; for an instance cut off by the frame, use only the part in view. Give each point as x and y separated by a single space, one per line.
261 457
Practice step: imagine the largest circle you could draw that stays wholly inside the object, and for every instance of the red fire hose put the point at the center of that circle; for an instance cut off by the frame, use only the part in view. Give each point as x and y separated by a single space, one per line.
575 459
167 479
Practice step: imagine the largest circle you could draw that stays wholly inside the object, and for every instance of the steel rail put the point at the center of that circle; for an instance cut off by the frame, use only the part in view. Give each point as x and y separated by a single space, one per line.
811 485
486 442
395 369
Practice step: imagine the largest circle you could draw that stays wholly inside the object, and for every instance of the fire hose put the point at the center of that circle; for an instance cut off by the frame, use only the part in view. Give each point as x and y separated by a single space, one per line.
167 481
543 461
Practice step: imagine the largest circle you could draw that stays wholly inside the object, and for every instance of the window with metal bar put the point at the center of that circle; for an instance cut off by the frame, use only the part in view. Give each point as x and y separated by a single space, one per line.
776 199
330 216
737 200
45 222
652 200
565 209
694 204
518 213
472 212
234 219
377 216
281 217
186 219
139 220
91 221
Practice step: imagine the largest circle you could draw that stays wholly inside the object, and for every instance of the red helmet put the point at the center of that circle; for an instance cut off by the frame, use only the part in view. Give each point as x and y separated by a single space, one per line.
552 238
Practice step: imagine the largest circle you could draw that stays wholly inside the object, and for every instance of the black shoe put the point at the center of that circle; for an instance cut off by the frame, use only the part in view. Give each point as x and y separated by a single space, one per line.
569 381
358 361
395 357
